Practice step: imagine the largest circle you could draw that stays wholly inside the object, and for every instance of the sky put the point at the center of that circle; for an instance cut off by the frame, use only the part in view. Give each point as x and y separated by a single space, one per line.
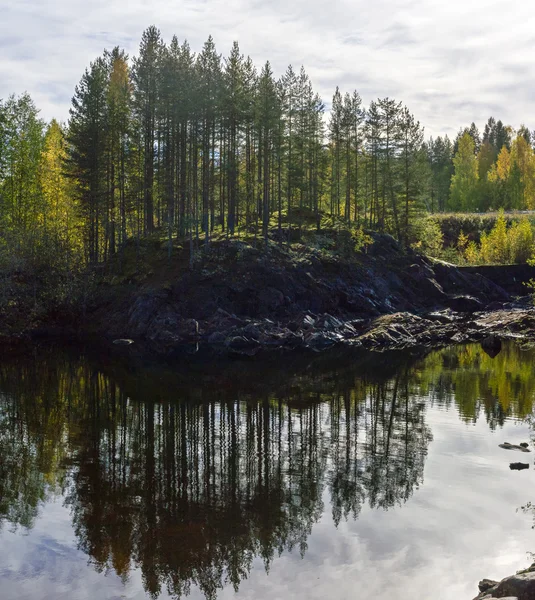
450 62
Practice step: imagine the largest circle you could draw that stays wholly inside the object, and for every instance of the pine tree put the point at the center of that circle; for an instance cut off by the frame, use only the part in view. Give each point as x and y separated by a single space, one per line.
268 112
87 137
208 69
411 140
146 79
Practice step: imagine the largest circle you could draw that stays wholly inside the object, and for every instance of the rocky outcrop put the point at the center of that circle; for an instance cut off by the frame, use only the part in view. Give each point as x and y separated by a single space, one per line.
243 301
520 586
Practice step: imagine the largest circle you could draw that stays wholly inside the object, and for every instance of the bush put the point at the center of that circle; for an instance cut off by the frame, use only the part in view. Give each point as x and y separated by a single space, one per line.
426 236
520 238
502 245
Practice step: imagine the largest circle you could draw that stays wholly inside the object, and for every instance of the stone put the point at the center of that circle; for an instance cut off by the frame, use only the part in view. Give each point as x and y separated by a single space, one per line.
239 342
252 331
464 304
217 338
123 342
508 446
518 466
521 586
486 584
492 345
308 321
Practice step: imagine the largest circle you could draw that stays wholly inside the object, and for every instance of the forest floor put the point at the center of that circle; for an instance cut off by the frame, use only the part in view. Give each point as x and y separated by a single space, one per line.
241 297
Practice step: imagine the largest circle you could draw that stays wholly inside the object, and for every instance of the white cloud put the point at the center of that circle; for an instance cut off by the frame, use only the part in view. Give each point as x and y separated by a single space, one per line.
450 63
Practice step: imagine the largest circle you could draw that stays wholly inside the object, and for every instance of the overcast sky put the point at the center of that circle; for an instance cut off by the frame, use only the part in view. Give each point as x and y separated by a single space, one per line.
450 62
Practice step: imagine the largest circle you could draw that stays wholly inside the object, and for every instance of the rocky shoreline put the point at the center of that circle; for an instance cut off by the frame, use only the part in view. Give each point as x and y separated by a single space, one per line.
235 336
242 302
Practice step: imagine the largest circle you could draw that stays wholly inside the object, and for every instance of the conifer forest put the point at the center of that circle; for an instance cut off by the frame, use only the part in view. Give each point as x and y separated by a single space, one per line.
190 145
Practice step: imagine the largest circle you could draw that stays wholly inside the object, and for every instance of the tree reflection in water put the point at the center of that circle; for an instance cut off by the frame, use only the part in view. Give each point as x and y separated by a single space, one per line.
190 475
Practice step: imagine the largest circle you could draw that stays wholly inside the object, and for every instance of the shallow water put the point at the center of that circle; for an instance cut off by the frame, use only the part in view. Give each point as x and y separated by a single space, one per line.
336 475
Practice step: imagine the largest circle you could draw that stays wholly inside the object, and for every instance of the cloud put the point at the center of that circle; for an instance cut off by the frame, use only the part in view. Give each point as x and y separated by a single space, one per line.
450 63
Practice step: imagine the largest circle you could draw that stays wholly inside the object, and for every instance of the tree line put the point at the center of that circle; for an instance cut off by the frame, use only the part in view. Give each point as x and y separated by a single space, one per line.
197 145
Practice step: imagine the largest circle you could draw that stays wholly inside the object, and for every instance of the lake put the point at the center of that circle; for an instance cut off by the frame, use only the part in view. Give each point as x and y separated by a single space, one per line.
340 475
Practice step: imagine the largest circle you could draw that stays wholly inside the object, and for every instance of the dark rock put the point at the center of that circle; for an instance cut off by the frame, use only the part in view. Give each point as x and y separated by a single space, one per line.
270 299
252 331
464 303
320 340
238 342
217 338
508 446
521 586
524 444
241 346
331 323
311 300
518 466
293 326
123 342
486 584
492 345
308 322
442 316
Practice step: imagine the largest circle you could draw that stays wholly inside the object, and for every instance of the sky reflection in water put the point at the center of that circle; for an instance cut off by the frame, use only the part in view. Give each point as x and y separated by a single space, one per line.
303 477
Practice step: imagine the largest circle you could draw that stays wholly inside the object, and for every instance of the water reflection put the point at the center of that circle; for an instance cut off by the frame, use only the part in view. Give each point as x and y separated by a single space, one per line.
477 383
190 474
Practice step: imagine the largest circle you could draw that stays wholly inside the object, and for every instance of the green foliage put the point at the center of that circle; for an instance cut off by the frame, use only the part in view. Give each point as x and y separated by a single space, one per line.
464 182
426 236
361 239
504 244
190 147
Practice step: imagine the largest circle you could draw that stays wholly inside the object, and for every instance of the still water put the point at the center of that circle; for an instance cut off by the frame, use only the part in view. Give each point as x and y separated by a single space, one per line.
336 475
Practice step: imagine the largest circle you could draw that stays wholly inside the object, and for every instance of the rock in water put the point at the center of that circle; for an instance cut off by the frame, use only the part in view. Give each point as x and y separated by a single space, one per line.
508 446
492 345
518 466
123 342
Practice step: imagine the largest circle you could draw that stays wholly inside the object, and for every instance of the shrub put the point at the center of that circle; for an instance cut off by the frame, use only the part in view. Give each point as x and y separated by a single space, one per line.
520 241
425 235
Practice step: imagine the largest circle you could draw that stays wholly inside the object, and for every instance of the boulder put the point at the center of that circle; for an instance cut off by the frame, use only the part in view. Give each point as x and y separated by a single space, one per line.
486 584
521 586
492 345
464 304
